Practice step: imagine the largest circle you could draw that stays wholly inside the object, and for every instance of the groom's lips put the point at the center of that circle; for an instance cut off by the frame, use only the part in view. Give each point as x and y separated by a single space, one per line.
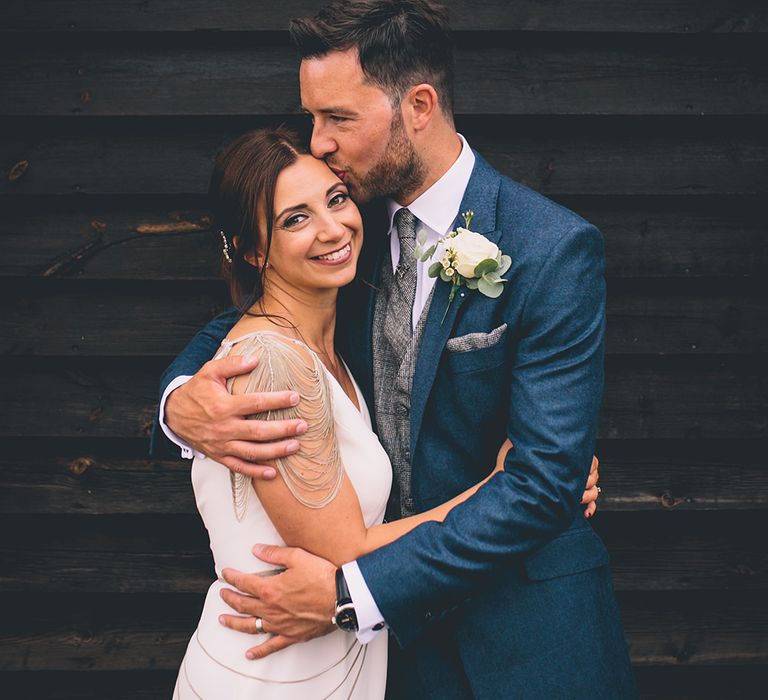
341 174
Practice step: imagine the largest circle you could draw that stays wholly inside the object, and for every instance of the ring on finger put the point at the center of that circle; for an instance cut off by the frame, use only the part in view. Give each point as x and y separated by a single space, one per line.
259 625
599 491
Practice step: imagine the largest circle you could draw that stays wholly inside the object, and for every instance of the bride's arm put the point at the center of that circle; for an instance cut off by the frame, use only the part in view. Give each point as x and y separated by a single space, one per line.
312 503
336 531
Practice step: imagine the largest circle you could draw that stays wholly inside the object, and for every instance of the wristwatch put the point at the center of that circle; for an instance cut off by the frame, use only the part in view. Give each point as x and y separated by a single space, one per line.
345 617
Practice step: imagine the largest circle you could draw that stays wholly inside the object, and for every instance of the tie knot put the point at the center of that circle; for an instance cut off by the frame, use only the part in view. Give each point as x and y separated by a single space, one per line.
405 222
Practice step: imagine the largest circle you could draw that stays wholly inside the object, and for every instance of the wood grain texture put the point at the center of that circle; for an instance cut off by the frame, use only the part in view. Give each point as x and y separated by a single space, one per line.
554 156
635 476
659 238
86 319
674 16
169 554
137 632
678 682
707 399
522 76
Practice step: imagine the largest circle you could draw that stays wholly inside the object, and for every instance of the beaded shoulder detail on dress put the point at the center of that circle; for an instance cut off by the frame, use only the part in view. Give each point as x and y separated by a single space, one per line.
314 474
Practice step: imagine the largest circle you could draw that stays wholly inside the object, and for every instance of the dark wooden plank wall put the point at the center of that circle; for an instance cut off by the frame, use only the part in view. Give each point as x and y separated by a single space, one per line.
646 116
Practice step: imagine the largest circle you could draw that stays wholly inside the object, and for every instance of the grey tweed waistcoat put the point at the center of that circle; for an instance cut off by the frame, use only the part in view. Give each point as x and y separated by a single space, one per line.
394 362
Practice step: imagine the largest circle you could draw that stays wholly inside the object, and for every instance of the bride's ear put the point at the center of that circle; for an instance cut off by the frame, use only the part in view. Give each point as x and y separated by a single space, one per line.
251 257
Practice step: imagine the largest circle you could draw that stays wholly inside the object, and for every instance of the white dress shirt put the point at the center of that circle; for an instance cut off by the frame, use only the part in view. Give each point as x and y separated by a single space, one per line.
436 210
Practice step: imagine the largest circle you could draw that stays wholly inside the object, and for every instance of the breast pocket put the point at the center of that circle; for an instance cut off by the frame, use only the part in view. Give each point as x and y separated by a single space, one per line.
476 352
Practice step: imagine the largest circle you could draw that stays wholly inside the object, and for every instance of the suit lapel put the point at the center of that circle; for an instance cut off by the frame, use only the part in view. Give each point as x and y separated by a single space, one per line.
481 197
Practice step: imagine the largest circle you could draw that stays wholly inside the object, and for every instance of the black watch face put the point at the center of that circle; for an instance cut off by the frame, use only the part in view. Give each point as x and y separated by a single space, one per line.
347 620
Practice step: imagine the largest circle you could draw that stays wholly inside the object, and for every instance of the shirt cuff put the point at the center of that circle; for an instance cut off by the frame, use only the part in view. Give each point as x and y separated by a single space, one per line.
370 621
186 451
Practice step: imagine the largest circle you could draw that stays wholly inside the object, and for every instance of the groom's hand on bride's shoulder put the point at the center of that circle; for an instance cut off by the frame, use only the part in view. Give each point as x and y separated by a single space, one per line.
213 422
295 605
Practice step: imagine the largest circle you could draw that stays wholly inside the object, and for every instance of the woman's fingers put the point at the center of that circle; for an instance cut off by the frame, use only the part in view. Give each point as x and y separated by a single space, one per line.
590 495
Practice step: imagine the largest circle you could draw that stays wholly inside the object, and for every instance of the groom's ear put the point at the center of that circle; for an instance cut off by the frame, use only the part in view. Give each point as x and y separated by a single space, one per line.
420 106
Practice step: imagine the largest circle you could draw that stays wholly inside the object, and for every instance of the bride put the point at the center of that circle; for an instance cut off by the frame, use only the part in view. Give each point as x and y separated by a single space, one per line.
292 237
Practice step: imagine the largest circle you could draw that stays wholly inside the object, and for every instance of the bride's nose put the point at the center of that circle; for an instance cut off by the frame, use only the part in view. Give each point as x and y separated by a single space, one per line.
331 229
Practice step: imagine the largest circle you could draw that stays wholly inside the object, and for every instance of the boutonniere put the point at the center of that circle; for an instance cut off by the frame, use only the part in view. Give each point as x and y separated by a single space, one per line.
469 259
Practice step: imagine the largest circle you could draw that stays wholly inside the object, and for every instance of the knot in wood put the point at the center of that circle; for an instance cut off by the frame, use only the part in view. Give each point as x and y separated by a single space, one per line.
18 170
668 500
79 466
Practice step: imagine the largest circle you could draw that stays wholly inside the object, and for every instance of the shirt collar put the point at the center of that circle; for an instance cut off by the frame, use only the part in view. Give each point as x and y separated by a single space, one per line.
438 207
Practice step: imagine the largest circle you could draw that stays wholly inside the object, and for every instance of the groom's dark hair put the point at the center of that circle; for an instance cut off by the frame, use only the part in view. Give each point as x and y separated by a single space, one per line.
400 43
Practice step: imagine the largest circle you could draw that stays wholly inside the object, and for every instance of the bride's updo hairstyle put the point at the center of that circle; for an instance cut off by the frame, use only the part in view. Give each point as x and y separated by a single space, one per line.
241 192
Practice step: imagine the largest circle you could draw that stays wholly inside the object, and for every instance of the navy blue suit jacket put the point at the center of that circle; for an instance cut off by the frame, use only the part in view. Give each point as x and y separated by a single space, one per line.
511 594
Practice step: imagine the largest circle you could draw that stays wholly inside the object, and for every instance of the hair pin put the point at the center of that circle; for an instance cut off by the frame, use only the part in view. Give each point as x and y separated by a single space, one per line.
225 247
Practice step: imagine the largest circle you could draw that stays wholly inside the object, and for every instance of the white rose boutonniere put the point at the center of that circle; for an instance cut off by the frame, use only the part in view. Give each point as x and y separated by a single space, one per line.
469 259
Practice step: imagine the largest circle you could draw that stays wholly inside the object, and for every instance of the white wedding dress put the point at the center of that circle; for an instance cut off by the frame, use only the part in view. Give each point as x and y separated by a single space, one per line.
334 666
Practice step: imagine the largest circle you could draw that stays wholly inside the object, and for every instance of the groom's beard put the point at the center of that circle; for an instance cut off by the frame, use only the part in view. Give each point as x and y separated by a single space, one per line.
398 173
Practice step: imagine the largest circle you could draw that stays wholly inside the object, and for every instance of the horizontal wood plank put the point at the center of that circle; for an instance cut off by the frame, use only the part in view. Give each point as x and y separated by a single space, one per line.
635 476
169 554
158 320
675 16
584 75
116 399
646 238
677 682
556 157
140 632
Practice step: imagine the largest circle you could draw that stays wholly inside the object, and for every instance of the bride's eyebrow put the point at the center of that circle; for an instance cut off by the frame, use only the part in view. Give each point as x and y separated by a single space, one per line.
296 207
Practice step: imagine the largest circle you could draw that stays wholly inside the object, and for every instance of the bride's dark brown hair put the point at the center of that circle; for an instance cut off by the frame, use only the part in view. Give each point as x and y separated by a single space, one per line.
241 192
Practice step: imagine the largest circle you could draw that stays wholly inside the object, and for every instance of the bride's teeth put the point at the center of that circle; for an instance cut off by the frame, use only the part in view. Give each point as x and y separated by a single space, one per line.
335 256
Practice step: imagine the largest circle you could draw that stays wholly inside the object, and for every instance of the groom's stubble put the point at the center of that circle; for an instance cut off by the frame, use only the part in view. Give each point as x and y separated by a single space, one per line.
398 173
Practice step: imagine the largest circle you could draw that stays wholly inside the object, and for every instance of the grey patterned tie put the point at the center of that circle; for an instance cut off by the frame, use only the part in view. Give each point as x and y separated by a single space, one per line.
398 325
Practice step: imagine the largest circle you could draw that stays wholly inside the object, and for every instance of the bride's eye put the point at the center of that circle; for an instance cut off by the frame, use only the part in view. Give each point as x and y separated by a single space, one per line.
294 220
337 199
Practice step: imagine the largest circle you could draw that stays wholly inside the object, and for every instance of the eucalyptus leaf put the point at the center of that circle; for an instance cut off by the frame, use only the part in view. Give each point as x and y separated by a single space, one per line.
506 263
491 277
443 276
484 266
471 283
434 269
492 290
421 237
428 254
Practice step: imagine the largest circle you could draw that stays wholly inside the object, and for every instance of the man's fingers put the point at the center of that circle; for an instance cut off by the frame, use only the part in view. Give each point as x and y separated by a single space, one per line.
263 401
589 511
243 624
592 480
595 465
272 645
590 495
273 554
255 471
245 604
264 430
261 452
227 367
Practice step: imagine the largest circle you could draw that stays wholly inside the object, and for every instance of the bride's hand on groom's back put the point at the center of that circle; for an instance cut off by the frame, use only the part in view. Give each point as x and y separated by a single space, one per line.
204 414
591 490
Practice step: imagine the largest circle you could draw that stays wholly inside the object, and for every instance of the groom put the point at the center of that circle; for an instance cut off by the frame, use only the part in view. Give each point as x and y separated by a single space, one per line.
511 596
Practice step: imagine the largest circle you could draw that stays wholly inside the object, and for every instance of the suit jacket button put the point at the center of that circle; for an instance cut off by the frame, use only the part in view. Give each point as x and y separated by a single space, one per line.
428 616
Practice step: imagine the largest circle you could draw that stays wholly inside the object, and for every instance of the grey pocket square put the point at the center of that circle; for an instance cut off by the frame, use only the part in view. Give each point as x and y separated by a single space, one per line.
476 341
